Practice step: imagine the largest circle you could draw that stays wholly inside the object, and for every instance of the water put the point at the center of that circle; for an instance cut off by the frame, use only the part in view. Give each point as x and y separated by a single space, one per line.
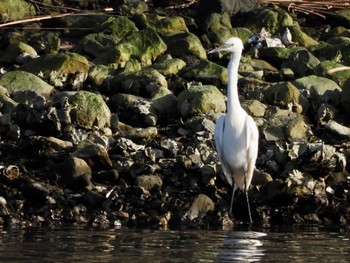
308 244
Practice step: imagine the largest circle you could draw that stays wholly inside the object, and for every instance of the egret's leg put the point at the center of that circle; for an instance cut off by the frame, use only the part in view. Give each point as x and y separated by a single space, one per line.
249 212
247 197
234 188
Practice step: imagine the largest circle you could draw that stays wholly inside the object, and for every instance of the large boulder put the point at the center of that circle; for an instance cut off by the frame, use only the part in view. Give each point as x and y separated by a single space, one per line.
200 100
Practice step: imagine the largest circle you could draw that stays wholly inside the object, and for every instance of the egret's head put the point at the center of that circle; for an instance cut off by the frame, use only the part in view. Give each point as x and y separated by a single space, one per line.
233 44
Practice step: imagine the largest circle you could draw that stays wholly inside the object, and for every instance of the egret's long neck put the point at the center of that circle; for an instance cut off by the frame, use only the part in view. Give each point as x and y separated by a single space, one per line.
233 105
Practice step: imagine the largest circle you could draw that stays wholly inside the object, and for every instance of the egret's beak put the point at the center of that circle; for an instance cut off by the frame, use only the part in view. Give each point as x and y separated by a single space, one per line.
218 49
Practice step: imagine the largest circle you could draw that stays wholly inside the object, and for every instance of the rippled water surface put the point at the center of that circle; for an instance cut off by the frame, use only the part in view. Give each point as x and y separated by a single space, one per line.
311 244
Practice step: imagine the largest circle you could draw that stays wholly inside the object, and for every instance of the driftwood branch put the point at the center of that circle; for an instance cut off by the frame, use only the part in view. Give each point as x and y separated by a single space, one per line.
34 19
315 7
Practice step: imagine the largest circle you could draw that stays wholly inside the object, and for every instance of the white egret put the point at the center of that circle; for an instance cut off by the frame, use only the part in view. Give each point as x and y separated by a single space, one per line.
236 134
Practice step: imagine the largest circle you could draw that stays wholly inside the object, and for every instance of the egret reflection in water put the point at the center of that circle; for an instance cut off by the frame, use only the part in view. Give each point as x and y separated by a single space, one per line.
241 246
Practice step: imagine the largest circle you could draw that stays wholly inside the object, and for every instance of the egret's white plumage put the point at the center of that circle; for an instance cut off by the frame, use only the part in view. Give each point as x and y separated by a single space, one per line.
236 134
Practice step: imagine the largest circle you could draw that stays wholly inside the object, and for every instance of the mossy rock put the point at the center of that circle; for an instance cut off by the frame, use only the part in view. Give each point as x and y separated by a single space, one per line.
59 65
200 100
338 31
271 17
169 67
91 110
338 40
220 36
181 44
7 104
141 82
96 43
254 108
316 86
163 104
44 42
300 37
277 55
98 74
24 81
339 53
144 46
129 7
285 125
301 62
118 27
87 22
335 71
17 53
161 24
15 9
285 95
215 22
206 71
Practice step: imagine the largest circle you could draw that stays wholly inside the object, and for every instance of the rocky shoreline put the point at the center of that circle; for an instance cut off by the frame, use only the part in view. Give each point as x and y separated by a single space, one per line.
107 119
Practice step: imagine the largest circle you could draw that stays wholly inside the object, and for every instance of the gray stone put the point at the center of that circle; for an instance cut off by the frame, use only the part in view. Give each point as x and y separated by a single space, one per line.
200 206
314 87
286 95
149 182
94 154
301 62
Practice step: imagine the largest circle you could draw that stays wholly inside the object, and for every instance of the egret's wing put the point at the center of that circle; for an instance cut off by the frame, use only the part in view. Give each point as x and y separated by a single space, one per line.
219 134
218 137
252 144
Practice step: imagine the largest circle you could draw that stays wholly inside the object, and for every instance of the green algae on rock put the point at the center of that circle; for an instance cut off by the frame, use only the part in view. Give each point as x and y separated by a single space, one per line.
19 80
91 110
15 9
144 46
200 100
59 68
